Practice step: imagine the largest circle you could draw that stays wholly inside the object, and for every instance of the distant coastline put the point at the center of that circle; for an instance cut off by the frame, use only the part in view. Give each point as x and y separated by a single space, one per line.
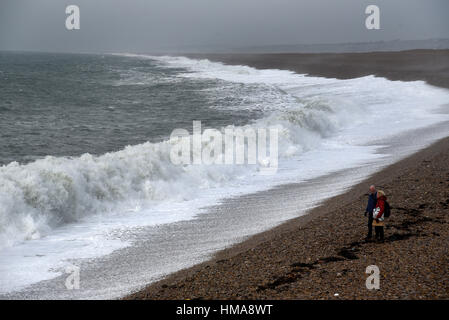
354 47
412 65
315 48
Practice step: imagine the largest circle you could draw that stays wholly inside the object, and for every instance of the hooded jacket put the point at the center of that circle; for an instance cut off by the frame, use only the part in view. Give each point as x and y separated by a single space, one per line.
378 212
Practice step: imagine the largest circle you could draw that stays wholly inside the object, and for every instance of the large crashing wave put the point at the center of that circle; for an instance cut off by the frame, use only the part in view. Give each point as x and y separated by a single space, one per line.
49 192
39 196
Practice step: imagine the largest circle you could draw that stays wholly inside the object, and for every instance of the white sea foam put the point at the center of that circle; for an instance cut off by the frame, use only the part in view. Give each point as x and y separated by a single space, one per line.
324 123
308 111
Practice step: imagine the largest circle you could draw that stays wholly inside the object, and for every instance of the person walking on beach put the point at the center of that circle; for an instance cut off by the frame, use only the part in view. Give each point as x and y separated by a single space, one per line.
372 199
379 215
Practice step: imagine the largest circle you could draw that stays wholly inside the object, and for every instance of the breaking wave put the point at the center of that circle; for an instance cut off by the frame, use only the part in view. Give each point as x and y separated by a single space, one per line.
308 111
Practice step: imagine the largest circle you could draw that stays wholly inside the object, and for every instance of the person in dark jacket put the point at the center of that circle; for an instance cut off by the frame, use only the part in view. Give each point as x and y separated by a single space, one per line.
372 200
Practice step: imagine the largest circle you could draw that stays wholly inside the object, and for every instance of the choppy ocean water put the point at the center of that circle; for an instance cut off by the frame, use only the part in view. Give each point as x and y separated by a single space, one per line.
85 157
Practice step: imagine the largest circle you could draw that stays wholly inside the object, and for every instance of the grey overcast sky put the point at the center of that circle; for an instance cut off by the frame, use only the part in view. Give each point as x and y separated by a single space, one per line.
146 25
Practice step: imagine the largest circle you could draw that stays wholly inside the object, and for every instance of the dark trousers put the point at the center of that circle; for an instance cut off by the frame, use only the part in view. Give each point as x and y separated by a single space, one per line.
370 225
379 232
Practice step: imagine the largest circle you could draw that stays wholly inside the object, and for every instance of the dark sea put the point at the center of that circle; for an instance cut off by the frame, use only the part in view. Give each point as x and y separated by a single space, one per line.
67 104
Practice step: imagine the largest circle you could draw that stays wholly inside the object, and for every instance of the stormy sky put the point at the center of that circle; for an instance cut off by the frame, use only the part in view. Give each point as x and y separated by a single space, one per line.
149 25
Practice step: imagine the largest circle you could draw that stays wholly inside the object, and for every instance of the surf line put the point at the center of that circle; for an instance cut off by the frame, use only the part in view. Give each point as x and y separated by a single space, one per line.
206 147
